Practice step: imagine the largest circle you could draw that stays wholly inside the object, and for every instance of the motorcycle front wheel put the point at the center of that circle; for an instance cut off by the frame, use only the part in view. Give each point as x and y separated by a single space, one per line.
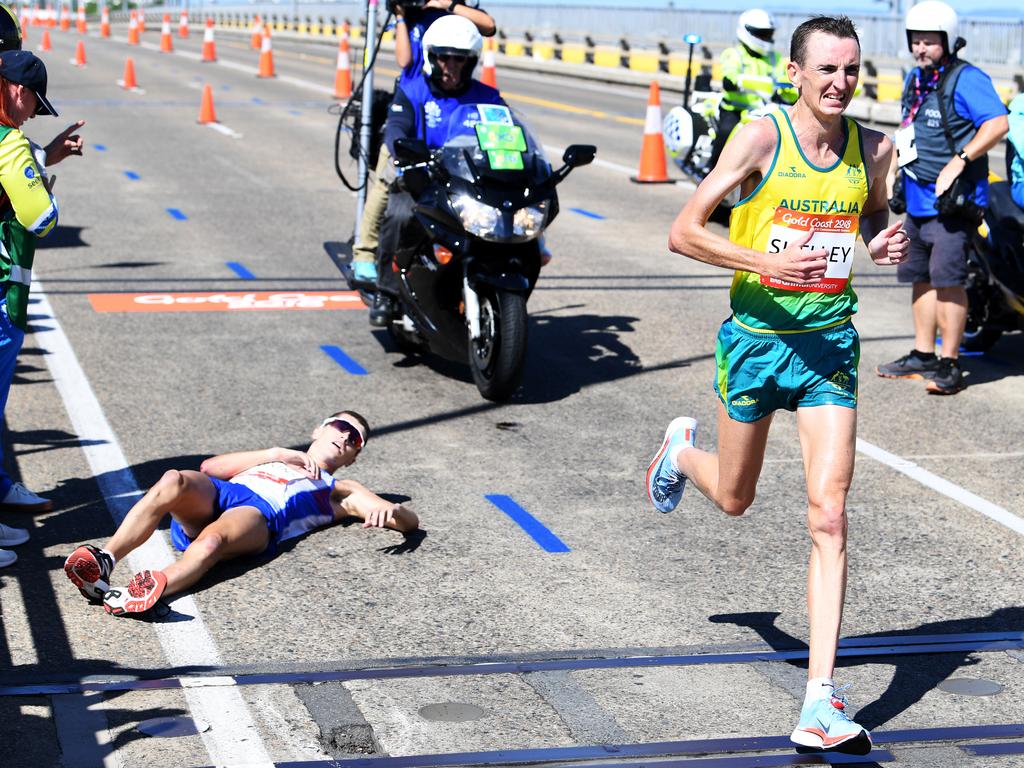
497 356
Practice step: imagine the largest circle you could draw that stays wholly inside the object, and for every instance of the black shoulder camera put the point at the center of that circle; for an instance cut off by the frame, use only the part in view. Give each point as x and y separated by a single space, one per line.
405 5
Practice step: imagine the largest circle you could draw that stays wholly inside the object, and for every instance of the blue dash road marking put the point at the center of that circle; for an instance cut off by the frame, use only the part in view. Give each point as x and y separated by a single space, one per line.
993 750
258 100
294 112
346 362
99 147
240 270
176 214
545 538
132 175
588 214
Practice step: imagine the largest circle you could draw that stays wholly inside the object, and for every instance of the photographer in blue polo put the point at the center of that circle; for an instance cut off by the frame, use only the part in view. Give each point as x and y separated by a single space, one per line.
952 117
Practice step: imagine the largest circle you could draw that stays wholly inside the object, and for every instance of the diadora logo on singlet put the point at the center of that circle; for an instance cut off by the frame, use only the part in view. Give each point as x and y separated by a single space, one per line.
792 173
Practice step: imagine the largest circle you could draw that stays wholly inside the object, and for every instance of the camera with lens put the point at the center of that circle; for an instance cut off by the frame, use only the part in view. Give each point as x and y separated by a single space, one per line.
405 5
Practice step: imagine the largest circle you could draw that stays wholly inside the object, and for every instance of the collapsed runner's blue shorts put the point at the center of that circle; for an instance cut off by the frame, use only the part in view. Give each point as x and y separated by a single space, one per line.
759 373
229 496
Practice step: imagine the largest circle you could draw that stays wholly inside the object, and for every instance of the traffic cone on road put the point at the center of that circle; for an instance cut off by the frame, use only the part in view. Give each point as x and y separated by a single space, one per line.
343 73
79 60
206 113
65 17
142 21
128 82
80 23
183 25
256 40
44 43
133 29
166 43
652 153
489 75
105 22
266 56
209 47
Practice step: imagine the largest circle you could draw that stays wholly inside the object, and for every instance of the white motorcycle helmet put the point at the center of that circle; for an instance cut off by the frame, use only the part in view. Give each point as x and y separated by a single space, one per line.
756 30
677 130
935 16
452 35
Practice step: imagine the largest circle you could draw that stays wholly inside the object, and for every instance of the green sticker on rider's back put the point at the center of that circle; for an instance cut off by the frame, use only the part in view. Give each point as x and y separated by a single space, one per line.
505 160
508 138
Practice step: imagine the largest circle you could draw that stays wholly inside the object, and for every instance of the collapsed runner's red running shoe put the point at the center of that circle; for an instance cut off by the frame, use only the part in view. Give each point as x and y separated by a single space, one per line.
89 569
139 596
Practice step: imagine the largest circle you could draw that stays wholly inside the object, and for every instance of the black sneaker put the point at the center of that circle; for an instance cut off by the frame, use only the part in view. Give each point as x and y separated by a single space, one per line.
914 365
948 379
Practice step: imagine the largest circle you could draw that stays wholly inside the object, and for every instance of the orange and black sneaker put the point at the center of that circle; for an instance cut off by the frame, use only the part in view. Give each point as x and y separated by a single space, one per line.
914 365
89 568
141 594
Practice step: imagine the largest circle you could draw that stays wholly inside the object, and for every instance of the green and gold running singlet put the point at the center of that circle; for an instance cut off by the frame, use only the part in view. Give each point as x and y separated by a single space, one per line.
792 198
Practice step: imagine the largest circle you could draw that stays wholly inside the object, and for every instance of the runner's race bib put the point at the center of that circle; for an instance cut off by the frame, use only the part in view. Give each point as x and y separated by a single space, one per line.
834 233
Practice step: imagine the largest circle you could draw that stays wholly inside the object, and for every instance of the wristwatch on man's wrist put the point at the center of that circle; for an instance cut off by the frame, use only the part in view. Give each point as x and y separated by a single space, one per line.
451 8
964 156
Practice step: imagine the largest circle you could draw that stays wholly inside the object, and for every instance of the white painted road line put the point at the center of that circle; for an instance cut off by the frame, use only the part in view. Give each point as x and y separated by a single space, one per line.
945 487
556 152
232 738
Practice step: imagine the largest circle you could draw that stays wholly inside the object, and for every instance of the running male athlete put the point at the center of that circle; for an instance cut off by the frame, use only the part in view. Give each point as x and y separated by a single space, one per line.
237 504
812 181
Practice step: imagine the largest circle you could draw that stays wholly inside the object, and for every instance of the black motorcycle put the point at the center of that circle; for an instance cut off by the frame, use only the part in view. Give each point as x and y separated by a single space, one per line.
995 277
464 274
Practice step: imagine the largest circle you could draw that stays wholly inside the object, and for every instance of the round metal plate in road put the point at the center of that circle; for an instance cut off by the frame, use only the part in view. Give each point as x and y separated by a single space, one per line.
452 712
968 687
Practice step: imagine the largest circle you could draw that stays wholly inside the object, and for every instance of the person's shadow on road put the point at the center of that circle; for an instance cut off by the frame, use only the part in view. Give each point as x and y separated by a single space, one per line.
915 675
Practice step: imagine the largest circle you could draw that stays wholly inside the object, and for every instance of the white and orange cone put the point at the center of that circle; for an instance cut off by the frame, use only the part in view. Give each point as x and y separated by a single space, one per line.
65 17
256 39
183 25
166 43
44 42
79 60
209 46
343 72
80 25
128 82
133 28
206 111
266 56
105 22
652 154
142 21
489 74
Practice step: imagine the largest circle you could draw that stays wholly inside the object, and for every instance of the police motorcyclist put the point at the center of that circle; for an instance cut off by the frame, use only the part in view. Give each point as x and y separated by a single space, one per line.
952 116
753 74
421 109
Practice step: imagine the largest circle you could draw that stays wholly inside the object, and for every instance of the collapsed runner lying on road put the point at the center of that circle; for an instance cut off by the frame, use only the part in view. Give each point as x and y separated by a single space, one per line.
238 504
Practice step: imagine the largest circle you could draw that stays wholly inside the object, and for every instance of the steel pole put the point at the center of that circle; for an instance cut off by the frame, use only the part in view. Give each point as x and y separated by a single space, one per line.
366 121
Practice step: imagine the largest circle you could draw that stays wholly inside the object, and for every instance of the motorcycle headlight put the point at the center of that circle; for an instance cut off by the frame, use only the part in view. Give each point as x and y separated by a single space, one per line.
529 221
478 218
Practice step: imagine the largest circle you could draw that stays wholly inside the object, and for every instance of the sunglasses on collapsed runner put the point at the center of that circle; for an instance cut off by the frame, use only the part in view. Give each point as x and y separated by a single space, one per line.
353 436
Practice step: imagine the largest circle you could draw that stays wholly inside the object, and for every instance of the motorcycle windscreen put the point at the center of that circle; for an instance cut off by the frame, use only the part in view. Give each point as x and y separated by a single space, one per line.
496 136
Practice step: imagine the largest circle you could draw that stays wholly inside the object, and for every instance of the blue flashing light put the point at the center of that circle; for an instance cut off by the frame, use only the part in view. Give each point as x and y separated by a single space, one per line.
692 39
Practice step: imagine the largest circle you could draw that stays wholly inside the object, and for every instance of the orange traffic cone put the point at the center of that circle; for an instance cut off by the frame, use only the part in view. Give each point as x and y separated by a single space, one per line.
105 22
129 83
44 43
266 56
142 22
652 154
206 113
133 29
256 41
209 47
489 75
343 73
79 60
65 17
166 43
80 25
183 25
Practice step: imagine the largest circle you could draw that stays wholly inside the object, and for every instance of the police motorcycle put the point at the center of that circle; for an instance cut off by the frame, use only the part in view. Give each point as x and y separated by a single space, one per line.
995 272
481 203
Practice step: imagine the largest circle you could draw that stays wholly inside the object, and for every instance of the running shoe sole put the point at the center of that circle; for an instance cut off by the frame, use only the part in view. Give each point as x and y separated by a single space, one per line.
681 421
852 744
922 376
144 590
934 389
84 571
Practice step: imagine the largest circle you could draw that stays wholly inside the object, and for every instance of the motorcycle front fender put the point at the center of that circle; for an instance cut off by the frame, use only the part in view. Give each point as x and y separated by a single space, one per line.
505 281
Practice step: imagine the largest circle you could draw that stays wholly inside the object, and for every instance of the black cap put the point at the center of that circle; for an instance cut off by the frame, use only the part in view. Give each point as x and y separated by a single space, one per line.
27 69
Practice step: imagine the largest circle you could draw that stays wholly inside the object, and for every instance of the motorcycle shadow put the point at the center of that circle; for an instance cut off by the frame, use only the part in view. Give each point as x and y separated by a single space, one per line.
1005 358
565 353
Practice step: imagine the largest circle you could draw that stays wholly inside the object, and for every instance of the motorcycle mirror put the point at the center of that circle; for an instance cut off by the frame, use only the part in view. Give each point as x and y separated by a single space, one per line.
579 154
410 151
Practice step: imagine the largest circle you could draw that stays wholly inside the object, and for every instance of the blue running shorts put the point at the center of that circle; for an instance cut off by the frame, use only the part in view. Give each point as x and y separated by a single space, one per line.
229 496
759 373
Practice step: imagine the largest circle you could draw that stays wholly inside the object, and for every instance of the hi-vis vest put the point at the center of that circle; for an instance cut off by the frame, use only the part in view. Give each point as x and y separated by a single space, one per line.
793 197
24 193
756 77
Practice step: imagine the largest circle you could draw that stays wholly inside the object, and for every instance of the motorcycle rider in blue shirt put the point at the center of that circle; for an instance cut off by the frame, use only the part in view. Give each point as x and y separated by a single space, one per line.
421 109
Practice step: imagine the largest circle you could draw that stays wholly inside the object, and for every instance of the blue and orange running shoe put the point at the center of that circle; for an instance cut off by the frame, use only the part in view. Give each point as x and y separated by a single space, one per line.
665 483
825 725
